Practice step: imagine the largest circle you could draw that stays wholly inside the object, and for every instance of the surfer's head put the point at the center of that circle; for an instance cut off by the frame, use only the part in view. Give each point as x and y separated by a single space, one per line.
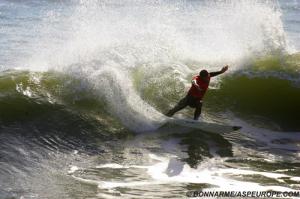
203 74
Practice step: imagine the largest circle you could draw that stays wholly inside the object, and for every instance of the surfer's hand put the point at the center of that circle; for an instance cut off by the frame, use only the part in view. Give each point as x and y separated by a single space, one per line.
224 69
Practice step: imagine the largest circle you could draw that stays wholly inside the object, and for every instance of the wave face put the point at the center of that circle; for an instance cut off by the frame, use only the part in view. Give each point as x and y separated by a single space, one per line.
84 85
258 91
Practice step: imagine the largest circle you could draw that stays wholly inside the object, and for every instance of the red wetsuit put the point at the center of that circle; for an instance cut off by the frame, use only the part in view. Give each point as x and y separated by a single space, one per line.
202 84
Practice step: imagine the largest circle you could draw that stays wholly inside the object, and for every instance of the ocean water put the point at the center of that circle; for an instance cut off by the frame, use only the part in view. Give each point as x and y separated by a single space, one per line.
84 85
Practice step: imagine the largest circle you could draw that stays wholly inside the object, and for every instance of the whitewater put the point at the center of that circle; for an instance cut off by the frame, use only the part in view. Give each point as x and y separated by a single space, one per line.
84 86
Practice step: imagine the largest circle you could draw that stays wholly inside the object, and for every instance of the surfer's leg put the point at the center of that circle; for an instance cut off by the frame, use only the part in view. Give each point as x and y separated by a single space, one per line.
181 105
197 112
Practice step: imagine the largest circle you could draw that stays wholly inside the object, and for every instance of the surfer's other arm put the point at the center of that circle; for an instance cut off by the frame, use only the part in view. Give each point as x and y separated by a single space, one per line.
194 82
223 70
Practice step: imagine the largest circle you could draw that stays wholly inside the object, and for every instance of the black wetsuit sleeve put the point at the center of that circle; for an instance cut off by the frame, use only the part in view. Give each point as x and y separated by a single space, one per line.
213 74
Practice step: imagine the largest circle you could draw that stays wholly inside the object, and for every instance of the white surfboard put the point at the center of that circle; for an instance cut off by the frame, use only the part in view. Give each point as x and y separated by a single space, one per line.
204 126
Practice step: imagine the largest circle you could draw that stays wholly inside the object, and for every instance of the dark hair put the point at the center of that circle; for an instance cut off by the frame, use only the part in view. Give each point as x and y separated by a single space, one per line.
203 73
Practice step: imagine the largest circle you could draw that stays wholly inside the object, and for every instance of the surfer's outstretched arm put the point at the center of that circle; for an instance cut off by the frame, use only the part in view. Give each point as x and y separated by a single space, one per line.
223 70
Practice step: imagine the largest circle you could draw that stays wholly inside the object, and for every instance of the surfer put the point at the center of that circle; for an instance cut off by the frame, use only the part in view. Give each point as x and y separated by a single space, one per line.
196 92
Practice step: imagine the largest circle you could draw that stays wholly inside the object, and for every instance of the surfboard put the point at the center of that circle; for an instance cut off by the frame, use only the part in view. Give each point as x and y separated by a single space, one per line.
204 126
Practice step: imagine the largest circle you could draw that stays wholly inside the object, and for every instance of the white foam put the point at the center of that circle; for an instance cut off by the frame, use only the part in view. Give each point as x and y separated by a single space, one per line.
209 32
211 172
113 166
118 166
270 137
295 179
73 169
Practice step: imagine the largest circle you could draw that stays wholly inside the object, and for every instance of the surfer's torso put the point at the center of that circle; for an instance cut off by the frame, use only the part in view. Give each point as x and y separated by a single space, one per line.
202 84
